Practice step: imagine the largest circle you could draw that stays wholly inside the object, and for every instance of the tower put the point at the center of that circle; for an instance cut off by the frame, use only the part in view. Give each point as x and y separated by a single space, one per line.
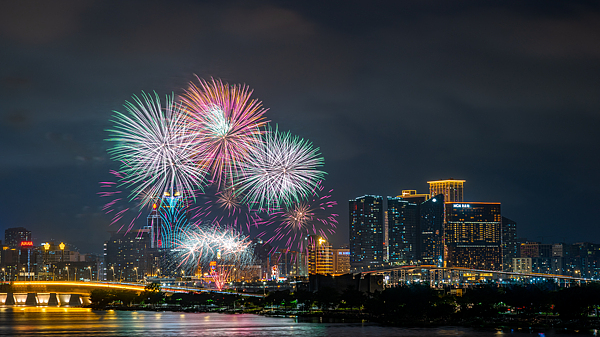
473 235
509 243
452 189
431 226
366 231
320 256
403 226
173 220
154 224
14 236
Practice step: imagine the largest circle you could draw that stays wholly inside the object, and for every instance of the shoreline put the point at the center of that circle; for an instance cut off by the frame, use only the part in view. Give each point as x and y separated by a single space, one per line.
505 323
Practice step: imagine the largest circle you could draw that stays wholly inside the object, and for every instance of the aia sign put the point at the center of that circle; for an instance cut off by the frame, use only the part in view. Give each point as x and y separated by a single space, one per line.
26 243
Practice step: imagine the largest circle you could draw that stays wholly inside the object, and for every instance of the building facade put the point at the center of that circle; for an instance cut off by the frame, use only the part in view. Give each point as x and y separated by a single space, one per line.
403 228
366 232
341 261
14 236
473 236
452 189
320 256
129 257
509 243
431 227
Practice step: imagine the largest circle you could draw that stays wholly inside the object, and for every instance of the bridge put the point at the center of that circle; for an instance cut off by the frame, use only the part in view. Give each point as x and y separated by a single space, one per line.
457 274
74 293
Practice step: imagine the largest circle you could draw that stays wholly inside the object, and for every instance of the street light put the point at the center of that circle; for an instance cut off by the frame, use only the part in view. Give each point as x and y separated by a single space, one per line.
90 268
62 248
113 272
24 279
68 277
4 274
136 274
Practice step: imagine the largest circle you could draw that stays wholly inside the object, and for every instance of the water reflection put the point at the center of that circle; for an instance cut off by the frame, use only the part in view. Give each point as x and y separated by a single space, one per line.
36 321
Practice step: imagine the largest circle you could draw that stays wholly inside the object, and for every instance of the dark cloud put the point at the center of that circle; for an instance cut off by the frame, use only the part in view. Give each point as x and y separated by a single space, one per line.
503 94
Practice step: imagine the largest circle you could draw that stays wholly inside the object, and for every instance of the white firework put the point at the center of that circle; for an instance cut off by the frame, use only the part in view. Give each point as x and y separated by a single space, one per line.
155 149
281 170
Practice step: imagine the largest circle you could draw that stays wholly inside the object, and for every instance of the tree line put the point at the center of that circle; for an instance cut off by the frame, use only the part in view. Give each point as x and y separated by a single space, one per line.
405 305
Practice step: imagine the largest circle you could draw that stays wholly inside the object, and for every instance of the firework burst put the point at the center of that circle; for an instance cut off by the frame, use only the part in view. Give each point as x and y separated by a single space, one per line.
226 207
301 219
155 149
118 207
203 244
227 123
282 169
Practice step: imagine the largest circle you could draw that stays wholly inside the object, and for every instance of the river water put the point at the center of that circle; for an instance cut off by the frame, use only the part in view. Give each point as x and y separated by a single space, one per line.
36 321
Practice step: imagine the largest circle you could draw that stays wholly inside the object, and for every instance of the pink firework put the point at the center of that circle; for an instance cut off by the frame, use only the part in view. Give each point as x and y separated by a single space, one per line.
226 122
220 275
301 219
118 206
226 207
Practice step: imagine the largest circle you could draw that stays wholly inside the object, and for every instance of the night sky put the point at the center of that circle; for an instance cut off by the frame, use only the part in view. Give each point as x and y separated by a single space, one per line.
503 94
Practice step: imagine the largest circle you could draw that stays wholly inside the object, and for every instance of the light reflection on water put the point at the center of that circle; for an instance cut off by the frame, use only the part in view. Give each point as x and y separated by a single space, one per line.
36 321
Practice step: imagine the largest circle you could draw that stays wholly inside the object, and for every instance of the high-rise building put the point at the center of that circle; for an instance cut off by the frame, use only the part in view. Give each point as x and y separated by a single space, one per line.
403 229
509 243
529 249
366 231
174 220
14 236
452 189
154 223
320 256
473 235
130 257
341 261
431 226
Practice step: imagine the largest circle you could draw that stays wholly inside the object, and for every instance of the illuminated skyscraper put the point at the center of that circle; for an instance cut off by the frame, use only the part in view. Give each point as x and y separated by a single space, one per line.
14 236
154 224
509 243
403 221
320 256
341 261
167 221
473 235
431 228
366 231
452 189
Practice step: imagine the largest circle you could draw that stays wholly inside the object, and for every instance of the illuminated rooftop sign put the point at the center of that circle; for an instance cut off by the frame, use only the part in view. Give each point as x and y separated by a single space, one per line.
461 206
26 244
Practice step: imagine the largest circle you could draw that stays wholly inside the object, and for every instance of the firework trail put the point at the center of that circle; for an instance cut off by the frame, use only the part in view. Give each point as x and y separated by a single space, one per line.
220 274
281 170
226 207
117 207
200 246
155 149
301 219
227 123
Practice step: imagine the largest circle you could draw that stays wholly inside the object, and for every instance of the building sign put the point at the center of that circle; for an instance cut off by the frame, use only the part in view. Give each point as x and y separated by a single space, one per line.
26 244
461 206
343 253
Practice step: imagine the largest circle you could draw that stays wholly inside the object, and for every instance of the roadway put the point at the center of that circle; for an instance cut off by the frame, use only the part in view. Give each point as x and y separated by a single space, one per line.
87 287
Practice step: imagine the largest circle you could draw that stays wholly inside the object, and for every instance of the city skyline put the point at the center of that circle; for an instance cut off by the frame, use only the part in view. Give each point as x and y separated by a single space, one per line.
390 95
